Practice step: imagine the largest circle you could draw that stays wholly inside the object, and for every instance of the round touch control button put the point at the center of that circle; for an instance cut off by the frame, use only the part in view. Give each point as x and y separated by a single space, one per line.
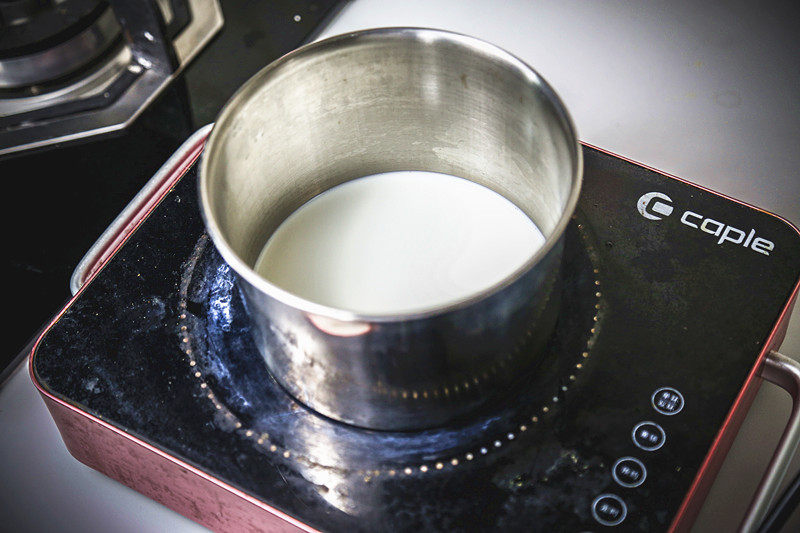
609 509
648 436
667 401
629 472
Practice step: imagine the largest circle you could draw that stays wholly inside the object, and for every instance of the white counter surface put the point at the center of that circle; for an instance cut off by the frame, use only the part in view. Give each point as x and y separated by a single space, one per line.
709 93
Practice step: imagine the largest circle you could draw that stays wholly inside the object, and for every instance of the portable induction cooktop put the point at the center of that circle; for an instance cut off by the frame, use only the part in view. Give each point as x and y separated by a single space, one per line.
671 297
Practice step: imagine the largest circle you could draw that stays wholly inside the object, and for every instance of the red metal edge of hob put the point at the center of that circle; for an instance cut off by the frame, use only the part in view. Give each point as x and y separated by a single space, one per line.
211 502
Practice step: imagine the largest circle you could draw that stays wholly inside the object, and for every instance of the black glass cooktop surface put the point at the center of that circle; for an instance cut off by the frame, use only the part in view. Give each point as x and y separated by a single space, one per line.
669 294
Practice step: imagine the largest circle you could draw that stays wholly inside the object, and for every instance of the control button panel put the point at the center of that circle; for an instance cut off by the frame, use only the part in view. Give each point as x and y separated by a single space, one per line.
649 436
629 472
667 401
609 509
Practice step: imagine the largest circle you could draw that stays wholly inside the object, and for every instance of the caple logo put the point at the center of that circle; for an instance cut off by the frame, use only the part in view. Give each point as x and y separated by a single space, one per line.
656 206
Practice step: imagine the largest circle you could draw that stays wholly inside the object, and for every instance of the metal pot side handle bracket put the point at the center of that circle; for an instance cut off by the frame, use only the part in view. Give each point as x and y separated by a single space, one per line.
784 372
145 200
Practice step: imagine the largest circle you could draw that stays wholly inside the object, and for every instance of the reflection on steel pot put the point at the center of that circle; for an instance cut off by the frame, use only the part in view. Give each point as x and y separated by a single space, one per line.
378 101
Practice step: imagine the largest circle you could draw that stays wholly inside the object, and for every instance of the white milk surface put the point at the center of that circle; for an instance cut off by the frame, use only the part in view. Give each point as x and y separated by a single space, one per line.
398 242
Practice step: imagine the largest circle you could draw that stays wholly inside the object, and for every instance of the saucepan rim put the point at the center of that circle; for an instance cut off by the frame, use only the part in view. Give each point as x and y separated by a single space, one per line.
425 35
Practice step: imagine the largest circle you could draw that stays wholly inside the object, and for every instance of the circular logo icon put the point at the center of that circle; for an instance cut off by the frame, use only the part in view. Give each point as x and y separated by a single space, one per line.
654 205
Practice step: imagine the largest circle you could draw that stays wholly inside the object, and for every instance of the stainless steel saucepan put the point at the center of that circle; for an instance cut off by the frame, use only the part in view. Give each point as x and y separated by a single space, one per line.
377 101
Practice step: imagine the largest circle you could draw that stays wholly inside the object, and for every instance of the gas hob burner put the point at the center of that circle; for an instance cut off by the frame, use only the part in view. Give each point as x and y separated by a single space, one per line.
72 69
44 42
